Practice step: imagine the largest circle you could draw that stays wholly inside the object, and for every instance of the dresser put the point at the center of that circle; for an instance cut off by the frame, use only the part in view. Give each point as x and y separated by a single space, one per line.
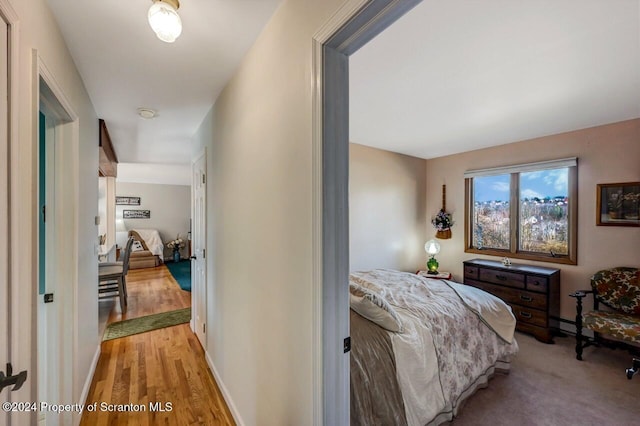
533 293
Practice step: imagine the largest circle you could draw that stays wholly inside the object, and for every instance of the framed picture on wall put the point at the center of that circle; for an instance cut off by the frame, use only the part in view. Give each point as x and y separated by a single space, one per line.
128 201
136 214
618 204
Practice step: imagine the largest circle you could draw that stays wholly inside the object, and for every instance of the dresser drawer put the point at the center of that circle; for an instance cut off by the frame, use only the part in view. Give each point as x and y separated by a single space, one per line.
529 316
523 298
471 272
535 283
501 277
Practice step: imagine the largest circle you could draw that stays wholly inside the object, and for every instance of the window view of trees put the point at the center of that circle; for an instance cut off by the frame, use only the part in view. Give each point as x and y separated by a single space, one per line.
542 215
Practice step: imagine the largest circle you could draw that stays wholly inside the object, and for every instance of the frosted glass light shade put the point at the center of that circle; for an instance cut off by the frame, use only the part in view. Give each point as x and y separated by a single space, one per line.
432 247
120 226
164 20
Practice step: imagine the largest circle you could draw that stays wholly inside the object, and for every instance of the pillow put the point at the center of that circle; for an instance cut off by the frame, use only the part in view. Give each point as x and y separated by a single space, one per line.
374 308
137 246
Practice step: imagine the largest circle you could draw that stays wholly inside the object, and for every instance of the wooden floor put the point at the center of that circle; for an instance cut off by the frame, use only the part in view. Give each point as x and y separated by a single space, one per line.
163 371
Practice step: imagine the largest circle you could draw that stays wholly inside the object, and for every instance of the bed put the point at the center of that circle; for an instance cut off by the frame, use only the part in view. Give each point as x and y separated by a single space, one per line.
421 347
148 248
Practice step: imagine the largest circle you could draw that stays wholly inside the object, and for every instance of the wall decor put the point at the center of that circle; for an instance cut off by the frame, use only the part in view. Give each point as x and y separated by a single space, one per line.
443 220
128 201
618 204
136 214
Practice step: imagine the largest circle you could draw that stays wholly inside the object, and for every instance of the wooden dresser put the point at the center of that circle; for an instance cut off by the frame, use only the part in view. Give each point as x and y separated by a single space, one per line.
533 293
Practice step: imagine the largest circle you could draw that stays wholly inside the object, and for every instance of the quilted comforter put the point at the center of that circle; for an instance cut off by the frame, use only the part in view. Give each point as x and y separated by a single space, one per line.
452 342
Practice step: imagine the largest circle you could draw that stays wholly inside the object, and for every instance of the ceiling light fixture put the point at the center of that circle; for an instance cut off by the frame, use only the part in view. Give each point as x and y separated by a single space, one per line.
164 19
146 113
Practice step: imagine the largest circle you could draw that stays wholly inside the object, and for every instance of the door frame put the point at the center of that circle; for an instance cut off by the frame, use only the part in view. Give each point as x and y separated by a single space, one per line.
350 28
10 338
47 96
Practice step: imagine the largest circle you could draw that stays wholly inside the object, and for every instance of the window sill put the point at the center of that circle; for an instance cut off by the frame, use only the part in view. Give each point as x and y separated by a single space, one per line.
566 260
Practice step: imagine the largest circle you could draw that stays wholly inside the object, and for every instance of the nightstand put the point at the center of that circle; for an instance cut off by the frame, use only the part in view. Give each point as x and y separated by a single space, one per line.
438 276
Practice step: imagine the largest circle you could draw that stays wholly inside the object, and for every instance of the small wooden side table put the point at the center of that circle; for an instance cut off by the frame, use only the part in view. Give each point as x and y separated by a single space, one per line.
438 276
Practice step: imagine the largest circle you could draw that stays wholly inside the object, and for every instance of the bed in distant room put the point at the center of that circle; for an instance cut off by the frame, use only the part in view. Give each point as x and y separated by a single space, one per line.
420 347
148 248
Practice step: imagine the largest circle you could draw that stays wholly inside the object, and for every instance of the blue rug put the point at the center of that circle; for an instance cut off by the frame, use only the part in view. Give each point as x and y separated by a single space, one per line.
181 271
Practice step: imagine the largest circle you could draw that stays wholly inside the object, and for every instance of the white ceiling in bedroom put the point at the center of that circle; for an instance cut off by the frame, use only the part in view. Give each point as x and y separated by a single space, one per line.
457 75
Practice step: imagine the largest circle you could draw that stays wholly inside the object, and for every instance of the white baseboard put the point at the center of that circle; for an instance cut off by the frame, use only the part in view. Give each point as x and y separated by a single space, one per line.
225 392
87 384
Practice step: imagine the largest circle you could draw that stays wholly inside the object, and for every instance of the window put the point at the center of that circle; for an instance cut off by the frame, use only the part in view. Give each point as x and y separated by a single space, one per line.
526 211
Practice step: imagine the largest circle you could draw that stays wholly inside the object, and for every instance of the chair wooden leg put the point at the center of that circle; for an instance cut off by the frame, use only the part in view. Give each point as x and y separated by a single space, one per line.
123 300
579 345
124 287
634 369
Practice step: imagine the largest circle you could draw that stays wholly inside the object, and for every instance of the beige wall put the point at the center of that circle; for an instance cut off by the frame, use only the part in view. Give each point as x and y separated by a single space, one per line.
606 154
259 218
38 30
170 207
387 216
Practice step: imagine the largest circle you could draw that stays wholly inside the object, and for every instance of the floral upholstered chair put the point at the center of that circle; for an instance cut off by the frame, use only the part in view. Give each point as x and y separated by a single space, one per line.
619 290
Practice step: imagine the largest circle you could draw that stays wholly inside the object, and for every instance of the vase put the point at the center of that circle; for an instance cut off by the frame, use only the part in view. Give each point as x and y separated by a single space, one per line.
176 255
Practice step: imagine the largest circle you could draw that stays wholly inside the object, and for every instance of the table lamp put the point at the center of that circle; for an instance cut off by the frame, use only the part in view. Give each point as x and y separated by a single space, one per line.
432 247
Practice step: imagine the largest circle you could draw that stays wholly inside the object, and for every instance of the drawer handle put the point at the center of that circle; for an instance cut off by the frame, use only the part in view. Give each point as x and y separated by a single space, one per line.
501 277
526 315
536 283
526 298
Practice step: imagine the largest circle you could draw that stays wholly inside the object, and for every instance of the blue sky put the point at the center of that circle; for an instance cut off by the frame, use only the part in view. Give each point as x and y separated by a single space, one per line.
540 184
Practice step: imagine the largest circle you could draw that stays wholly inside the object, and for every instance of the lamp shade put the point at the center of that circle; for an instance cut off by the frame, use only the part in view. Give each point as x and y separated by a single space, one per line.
164 20
432 247
120 226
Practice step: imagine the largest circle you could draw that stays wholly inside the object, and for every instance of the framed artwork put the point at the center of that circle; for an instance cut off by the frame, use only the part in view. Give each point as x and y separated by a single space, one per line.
136 214
128 201
618 204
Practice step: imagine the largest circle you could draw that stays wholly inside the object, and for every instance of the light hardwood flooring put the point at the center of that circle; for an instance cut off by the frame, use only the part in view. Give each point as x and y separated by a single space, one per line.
165 366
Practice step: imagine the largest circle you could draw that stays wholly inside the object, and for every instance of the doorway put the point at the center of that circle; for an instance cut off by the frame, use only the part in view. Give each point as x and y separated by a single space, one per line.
355 24
56 251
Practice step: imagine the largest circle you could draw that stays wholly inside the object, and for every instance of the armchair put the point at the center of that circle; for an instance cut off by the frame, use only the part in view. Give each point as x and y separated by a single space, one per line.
619 290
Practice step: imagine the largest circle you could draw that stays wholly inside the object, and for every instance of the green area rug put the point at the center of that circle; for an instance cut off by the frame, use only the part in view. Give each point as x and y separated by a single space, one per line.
181 271
131 326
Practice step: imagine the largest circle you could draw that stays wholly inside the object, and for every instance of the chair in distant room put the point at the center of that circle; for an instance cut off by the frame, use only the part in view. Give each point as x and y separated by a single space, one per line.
112 279
618 289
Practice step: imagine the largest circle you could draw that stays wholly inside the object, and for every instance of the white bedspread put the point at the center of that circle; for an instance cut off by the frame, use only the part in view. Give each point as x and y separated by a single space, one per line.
446 349
153 241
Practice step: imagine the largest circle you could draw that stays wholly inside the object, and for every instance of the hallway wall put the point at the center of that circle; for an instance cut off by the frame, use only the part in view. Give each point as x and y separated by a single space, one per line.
259 220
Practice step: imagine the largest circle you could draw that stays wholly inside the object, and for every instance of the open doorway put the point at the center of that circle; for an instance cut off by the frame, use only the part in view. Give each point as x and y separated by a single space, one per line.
352 27
56 286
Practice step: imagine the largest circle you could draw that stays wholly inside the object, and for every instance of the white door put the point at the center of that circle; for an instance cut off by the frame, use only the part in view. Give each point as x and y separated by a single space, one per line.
198 240
4 219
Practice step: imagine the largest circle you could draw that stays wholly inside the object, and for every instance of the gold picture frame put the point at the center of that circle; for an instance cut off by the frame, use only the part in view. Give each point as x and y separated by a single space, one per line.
618 204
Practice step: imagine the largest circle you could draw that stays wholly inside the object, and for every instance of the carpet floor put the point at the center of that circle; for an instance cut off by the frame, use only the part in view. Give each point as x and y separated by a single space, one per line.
547 386
146 323
181 271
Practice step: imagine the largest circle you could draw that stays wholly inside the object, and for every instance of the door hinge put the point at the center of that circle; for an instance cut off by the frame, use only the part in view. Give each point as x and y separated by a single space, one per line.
203 253
44 213
204 328
347 344
204 179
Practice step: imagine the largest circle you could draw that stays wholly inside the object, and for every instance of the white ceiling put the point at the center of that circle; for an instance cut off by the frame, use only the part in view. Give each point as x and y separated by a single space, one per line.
456 75
124 66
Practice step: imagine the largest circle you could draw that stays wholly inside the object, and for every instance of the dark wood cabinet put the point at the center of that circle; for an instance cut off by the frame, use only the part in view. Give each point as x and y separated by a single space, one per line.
533 293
